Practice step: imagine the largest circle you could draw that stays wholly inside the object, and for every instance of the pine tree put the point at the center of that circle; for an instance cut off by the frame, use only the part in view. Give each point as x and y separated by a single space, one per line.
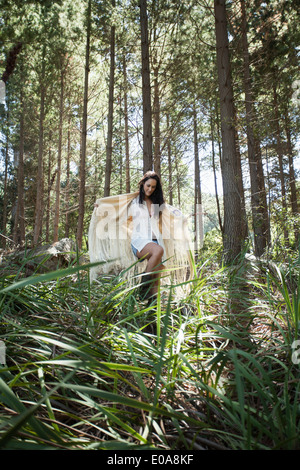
232 236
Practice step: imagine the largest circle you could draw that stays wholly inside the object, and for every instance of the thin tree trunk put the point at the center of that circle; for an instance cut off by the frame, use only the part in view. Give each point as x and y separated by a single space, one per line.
127 159
5 196
215 173
108 167
258 212
97 180
178 180
120 143
156 115
230 173
59 156
263 195
40 174
19 225
197 198
146 89
47 223
67 193
292 178
82 175
169 161
219 135
156 112
244 224
280 161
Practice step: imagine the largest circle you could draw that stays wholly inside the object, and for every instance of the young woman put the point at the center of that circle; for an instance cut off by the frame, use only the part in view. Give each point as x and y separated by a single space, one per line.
140 226
146 239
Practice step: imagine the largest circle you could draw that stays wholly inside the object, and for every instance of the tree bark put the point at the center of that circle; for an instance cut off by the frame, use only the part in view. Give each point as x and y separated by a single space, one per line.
215 173
292 178
230 173
19 225
169 161
146 90
156 114
40 174
110 110
67 193
59 154
280 161
263 195
127 156
244 222
82 171
178 180
258 210
49 184
197 198
5 196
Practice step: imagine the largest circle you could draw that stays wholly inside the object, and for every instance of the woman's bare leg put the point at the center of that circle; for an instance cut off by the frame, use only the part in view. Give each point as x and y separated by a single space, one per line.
153 253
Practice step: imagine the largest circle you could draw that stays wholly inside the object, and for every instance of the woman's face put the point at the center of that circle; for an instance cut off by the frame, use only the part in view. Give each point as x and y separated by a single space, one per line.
149 187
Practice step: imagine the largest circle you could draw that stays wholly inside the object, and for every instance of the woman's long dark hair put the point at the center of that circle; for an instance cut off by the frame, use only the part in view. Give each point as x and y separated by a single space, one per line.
157 196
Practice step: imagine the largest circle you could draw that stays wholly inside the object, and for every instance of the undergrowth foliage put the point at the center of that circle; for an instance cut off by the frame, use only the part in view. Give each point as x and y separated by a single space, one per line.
89 366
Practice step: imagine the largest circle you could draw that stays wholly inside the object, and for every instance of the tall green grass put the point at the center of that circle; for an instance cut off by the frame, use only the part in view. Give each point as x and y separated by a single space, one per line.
89 366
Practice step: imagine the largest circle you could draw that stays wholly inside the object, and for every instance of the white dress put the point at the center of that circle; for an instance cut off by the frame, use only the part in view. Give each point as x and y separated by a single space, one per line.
120 221
145 226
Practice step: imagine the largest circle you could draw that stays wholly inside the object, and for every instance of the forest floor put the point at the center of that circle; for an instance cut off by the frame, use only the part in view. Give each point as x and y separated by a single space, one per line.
85 369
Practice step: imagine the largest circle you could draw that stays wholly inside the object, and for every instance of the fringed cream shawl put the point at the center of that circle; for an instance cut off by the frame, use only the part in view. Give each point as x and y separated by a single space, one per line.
110 240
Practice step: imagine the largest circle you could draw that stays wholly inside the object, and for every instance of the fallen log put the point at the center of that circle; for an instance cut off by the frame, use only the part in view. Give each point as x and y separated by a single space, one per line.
41 259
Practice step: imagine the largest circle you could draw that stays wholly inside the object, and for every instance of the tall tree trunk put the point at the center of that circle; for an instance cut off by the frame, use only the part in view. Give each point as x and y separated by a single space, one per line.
19 225
244 223
59 156
215 172
219 135
97 180
40 174
230 172
127 157
110 110
49 184
67 193
169 161
258 212
120 142
178 180
156 113
292 178
280 161
82 172
198 222
263 195
146 89
5 196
